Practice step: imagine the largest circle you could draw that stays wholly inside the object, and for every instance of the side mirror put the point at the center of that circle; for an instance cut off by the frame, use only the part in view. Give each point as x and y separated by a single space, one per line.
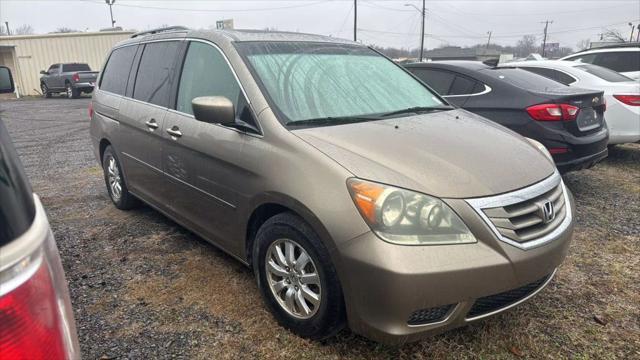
44 72
6 80
214 110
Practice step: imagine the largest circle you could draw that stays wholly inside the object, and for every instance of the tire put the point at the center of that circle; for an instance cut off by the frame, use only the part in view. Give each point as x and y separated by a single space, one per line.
45 90
119 194
72 93
323 320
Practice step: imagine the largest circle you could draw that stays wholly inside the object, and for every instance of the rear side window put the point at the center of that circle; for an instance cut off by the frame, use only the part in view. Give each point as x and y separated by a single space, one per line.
584 58
156 72
523 79
621 61
552 74
17 209
462 85
116 71
75 67
440 81
206 73
604 73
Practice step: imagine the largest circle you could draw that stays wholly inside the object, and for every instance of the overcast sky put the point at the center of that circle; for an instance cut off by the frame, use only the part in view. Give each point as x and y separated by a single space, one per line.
383 22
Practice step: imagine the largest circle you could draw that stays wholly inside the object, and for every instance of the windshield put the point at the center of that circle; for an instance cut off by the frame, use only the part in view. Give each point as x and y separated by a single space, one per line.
309 81
604 73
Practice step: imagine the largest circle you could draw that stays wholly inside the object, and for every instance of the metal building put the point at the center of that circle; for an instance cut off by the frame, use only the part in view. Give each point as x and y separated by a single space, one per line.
26 55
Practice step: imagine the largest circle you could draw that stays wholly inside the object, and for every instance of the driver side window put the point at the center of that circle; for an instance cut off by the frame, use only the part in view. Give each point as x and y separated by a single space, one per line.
206 73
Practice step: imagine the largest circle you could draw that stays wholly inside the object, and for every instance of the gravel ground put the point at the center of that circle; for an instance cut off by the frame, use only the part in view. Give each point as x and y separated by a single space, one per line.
143 287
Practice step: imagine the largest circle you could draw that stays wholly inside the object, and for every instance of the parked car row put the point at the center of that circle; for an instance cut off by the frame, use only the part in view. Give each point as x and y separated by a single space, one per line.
569 122
358 195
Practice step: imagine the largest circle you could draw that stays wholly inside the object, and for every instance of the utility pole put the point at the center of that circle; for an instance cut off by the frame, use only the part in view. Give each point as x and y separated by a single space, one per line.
355 20
638 36
489 40
7 24
110 3
423 12
632 28
544 42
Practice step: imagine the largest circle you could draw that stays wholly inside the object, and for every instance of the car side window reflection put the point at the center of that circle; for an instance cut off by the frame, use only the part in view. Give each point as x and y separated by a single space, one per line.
206 73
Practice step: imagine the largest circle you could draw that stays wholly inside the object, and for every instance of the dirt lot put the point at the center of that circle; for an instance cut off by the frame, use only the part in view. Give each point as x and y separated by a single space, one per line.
143 287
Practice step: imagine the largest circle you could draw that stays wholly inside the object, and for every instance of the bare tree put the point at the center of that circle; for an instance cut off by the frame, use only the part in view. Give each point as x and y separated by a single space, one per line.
613 35
24 30
64 29
583 44
526 45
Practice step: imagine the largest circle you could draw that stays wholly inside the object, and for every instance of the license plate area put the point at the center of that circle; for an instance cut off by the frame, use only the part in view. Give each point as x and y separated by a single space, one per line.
589 119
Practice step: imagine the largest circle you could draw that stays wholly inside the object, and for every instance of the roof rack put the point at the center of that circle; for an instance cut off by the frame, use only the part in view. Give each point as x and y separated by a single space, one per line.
159 30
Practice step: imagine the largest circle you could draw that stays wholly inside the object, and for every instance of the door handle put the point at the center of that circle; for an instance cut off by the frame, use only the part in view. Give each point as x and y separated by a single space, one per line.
174 131
152 124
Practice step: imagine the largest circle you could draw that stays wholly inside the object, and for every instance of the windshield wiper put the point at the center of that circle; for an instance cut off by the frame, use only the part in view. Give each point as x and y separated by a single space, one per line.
418 109
333 120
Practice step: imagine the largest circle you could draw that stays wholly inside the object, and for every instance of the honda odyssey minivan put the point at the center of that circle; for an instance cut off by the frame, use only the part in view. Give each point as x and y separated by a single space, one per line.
356 194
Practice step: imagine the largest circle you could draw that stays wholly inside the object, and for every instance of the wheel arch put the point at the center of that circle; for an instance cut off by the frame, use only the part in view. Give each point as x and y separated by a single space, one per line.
270 204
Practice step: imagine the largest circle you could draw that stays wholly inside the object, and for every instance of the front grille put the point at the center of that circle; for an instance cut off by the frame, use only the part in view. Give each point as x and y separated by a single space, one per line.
431 315
524 220
488 304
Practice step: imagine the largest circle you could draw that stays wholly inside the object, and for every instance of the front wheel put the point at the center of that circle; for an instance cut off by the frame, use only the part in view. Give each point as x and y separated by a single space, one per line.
45 90
297 278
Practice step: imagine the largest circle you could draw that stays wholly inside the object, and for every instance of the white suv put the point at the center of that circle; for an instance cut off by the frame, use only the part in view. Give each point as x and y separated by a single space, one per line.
623 58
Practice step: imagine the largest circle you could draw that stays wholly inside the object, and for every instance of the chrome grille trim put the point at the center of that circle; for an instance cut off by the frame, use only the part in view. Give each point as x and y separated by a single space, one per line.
519 196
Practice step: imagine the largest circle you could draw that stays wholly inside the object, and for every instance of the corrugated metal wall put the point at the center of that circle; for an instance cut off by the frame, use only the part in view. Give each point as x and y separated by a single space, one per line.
38 52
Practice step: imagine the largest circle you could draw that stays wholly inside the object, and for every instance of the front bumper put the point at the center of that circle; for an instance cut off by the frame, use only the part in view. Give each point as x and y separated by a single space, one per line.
385 284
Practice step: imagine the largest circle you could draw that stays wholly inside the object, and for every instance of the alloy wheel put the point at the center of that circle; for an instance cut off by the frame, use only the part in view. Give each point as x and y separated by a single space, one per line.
114 179
69 91
293 278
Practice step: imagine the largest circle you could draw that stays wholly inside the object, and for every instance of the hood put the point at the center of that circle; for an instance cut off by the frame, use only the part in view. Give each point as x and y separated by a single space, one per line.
450 154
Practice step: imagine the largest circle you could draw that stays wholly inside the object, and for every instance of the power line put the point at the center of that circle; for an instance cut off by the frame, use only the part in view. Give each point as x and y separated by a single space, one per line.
218 10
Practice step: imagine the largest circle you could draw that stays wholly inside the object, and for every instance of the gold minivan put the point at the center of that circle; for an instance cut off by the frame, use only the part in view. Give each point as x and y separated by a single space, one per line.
357 195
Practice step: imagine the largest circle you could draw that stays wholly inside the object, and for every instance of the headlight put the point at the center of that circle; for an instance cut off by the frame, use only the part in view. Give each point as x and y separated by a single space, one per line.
541 147
407 218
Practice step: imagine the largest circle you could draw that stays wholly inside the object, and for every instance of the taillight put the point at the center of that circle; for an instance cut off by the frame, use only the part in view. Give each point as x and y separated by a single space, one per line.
553 112
36 321
633 100
75 77
90 110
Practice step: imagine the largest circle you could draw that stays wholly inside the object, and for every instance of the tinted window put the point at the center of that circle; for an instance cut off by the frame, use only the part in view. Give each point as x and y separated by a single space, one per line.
522 79
619 61
53 68
206 73
440 81
326 81
75 67
552 74
116 72
462 85
584 58
604 73
6 80
155 73
16 197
